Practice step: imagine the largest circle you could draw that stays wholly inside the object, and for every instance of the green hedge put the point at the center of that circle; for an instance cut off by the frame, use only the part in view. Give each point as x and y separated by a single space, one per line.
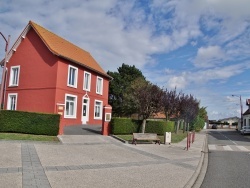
129 126
29 122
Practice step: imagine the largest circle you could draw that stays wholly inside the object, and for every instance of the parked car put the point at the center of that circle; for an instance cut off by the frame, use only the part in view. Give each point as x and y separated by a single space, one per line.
245 130
214 126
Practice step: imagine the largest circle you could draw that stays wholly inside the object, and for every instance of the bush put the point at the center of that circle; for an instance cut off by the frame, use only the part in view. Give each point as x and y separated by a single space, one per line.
29 122
129 126
125 126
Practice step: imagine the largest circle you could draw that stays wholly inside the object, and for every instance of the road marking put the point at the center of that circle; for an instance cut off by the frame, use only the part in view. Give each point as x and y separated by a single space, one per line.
212 147
242 148
228 138
227 148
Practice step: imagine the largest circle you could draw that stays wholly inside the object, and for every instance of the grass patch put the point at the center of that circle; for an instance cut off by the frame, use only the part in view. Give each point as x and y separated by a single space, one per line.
31 137
175 138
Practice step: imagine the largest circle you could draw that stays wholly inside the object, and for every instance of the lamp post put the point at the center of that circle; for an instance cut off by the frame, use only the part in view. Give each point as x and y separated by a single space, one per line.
4 70
241 110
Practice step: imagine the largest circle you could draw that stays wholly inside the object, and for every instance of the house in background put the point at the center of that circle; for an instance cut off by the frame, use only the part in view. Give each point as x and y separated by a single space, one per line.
231 121
246 114
48 74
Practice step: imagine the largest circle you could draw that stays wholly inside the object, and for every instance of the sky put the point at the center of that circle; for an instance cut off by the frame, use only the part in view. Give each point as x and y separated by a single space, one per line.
200 47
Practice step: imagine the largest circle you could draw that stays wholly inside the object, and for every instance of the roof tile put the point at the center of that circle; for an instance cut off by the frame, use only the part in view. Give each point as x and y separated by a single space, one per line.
65 49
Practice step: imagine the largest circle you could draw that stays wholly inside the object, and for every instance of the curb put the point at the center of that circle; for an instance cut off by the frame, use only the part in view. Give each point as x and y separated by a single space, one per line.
117 138
197 178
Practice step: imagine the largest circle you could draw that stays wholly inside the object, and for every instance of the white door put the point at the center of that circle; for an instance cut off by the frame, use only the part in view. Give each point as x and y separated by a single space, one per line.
85 110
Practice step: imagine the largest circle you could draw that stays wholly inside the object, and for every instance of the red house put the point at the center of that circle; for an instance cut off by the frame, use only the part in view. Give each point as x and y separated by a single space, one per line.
48 74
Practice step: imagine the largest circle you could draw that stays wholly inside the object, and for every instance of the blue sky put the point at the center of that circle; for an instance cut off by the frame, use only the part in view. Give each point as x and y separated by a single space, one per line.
199 46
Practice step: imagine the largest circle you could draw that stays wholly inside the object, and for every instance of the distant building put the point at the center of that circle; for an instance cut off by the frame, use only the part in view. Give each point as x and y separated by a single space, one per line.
246 114
230 120
48 74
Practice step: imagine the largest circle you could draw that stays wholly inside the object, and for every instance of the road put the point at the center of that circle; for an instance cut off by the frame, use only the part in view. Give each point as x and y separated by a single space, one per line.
228 160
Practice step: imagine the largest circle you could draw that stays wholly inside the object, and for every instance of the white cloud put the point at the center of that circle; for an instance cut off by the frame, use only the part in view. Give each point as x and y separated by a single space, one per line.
209 56
137 32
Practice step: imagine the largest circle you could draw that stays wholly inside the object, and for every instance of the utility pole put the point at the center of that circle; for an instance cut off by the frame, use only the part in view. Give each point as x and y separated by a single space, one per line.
4 71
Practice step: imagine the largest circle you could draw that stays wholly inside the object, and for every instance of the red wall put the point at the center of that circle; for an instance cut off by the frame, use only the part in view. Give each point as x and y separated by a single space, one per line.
43 81
62 88
37 79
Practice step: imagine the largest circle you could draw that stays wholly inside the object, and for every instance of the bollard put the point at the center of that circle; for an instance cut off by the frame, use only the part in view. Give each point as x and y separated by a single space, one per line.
193 136
189 138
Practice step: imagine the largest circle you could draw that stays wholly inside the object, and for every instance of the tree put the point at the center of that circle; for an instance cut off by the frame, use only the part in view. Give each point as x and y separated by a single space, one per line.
148 98
200 119
170 103
119 85
189 108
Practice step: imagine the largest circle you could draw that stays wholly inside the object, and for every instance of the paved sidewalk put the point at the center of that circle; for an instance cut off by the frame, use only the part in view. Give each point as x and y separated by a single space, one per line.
98 161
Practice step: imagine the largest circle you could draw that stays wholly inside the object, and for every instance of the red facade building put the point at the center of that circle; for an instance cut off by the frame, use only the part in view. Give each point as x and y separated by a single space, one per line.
48 74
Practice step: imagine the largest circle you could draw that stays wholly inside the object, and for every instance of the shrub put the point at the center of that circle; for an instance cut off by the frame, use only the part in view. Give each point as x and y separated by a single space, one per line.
29 122
129 126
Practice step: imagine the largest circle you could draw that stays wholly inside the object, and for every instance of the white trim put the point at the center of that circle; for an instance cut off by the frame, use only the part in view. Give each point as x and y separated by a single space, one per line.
89 81
74 85
74 108
108 115
97 85
12 74
101 109
87 110
62 104
9 101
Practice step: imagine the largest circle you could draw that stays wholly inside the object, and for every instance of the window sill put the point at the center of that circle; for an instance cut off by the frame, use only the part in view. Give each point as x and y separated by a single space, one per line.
72 86
70 117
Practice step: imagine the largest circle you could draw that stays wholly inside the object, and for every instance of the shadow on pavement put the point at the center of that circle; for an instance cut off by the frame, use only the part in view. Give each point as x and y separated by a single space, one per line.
83 130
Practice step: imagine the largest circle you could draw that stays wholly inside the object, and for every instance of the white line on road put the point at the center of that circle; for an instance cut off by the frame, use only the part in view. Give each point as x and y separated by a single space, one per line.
242 148
228 138
227 148
211 147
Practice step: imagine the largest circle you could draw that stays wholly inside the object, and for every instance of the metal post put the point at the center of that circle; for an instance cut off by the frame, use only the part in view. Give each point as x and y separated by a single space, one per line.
241 110
241 113
4 71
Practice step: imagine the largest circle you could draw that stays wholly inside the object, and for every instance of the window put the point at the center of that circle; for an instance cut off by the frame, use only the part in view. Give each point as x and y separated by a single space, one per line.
98 110
72 76
99 83
70 108
14 75
86 81
12 101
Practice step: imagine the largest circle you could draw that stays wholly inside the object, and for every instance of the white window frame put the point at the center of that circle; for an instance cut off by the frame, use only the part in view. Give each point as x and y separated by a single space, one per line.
74 107
88 81
14 79
88 103
99 85
74 85
10 102
100 108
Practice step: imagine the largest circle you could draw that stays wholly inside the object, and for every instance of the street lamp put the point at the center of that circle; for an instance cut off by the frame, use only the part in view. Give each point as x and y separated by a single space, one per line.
241 110
4 70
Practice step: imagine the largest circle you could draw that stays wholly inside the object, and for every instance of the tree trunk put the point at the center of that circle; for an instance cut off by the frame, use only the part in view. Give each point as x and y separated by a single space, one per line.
143 125
177 126
184 126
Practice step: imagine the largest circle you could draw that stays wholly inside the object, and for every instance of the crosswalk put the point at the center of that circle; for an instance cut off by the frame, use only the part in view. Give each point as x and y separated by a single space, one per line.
228 148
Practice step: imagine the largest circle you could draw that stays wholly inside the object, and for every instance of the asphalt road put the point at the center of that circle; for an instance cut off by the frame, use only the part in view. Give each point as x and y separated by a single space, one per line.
228 160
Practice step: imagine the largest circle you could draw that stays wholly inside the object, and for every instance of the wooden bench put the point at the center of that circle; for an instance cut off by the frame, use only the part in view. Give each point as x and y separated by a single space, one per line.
145 136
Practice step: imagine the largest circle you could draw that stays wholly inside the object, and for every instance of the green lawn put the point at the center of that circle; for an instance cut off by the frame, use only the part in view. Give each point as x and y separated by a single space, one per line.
31 137
175 138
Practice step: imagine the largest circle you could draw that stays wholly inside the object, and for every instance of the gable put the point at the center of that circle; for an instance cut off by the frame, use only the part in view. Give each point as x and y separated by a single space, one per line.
62 48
